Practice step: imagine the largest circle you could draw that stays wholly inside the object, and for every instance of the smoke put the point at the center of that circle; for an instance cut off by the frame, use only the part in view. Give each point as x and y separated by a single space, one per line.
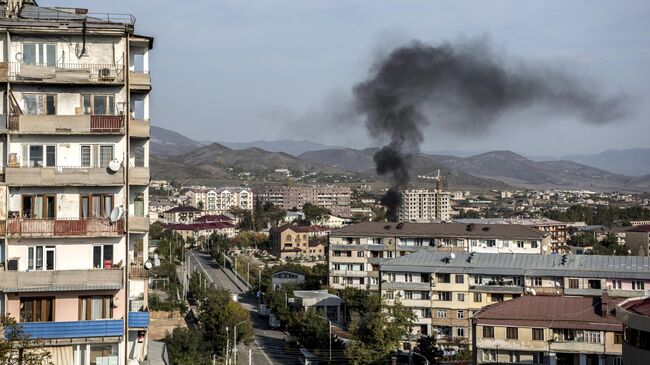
462 88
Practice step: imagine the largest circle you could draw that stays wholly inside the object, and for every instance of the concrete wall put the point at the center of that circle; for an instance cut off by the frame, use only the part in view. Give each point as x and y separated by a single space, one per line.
67 198
99 50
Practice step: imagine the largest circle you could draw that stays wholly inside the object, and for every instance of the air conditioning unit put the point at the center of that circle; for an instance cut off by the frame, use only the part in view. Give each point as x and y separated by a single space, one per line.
106 74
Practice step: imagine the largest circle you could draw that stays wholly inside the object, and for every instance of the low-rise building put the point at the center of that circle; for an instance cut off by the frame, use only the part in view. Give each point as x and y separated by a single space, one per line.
283 277
182 214
329 305
549 330
202 231
298 241
635 315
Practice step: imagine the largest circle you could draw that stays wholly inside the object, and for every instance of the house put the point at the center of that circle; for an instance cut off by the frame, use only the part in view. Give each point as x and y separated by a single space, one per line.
202 231
329 305
182 214
283 277
298 241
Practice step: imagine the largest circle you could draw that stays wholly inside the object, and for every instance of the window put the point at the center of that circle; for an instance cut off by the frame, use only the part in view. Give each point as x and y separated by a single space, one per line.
104 354
478 279
408 278
489 355
618 338
496 297
638 285
96 307
443 278
538 357
103 257
460 279
488 332
478 297
512 333
38 155
39 104
335 279
616 284
40 258
389 295
105 155
425 295
574 284
491 243
361 254
592 336
42 54
513 356
85 156
460 314
537 281
95 205
36 309
594 284
461 297
460 332
534 244
444 296
408 294
39 206
520 244
426 312
538 334
99 104
441 313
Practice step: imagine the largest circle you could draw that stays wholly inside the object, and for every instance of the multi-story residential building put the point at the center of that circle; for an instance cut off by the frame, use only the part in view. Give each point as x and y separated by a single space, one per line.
356 251
635 315
549 330
296 241
424 205
333 197
556 229
220 200
75 196
446 289
182 214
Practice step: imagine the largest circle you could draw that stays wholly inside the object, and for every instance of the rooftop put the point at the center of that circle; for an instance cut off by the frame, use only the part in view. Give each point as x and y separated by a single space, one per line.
301 229
523 222
595 266
182 209
198 226
392 229
638 305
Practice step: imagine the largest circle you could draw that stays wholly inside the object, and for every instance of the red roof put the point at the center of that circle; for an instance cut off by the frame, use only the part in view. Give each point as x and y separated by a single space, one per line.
182 208
640 306
213 218
643 228
302 229
198 226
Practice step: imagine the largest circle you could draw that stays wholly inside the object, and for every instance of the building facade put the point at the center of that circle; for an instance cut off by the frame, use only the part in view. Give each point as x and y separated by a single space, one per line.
557 230
290 241
356 251
220 200
445 290
424 205
74 200
333 197
635 315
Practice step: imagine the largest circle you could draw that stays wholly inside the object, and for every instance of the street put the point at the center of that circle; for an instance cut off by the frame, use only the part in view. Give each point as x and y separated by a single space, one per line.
268 346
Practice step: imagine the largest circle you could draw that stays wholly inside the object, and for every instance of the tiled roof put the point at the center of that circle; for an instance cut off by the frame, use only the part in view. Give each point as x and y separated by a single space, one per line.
301 229
638 305
213 218
391 229
198 226
182 208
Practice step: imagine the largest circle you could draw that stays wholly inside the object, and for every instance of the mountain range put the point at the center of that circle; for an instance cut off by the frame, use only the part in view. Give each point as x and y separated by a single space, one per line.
174 156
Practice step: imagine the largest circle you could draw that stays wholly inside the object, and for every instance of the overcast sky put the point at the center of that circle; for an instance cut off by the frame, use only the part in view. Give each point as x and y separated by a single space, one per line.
244 70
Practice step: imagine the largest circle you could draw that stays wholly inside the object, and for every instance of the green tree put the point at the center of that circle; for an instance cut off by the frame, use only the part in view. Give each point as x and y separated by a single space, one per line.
314 213
427 346
217 312
30 352
186 346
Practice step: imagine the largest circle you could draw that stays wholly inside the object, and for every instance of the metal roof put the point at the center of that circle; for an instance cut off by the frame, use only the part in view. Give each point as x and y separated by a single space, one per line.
633 267
428 230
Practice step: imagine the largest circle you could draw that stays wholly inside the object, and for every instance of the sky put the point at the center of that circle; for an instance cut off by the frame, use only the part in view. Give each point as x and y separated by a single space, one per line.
239 71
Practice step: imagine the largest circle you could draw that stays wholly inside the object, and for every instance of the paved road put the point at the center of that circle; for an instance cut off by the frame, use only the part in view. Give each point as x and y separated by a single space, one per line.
268 347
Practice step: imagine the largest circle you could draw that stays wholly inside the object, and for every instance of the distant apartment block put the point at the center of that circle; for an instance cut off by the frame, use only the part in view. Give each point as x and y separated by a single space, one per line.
445 290
74 205
220 200
333 197
424 205
556 229
356 251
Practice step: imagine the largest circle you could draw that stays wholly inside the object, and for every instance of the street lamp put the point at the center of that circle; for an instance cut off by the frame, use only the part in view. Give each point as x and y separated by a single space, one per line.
330 333
235 340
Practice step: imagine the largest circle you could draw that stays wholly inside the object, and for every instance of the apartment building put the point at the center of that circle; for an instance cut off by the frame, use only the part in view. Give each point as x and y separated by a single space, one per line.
182 214
549 330
424 205
635 315
298 241
445 289
556 229
220 200
333 197
356 251
75 195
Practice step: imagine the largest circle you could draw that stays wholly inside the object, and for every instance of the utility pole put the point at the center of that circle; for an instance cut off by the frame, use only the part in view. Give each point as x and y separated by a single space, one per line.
235 341
227 344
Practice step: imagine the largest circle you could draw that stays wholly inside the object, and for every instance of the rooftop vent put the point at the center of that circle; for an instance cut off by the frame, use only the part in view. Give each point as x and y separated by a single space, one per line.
485 228
400 225
387 227
470 227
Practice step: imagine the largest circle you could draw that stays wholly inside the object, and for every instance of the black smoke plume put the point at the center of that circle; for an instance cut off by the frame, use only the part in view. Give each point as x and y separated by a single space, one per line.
463 88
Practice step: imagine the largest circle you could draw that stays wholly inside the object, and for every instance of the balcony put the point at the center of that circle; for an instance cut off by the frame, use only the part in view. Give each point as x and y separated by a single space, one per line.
64 227
138 224
63 175
349 273
75 329
61 280
583 292
576 347
376 260
622 293
405 286
139 81
66 124
138 176
137 270
510 289
66 73
139 128
138 320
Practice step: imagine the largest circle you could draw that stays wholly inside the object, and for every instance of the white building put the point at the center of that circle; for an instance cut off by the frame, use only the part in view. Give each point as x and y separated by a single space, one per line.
424 205
220 200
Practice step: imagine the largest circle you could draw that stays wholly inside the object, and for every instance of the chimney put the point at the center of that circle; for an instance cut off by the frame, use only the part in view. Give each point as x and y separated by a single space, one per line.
604 304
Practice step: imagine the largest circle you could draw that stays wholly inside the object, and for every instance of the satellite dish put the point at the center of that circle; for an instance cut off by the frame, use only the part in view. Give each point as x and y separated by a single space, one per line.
148 265
401 293
453 255
114 165
116 214
533 292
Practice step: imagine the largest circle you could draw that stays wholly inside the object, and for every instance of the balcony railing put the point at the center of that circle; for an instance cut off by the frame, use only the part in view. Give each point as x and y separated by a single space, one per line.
75 329
62 175
66 73
64 227
61 280
137 271
139 80
138 319
67 124
106 123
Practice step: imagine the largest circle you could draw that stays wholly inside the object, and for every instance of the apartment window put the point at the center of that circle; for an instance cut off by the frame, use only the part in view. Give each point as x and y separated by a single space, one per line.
478 297
95 205
478 279
36 309
361 254
425 295
618 338
444 296
408 294
594 284
520 244
38 155
460 297
40 258
513 356
42 54
538 357
425 278
99 104
39 104
512 333
574 284
105 155
85 156
426 312
443 278
408 278
460 279
496 297
491 243
95 307
489 355
488 332
96 155
441 313
96 354
537 281
505 243
616 284
39 206
538 334
592 336
389 295
335 279
103 256
460 314
460 332
349 281
638 285
534 244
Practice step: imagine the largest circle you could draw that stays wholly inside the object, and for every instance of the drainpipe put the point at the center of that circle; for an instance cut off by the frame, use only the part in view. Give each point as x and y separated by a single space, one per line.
126 197
474 350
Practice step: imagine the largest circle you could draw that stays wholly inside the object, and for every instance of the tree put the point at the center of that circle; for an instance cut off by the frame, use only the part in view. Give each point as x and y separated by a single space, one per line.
427 346
186 346
314 213
217 312
18 348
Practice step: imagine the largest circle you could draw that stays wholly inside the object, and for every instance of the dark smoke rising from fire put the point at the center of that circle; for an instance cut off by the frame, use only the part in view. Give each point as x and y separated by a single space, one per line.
468 87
